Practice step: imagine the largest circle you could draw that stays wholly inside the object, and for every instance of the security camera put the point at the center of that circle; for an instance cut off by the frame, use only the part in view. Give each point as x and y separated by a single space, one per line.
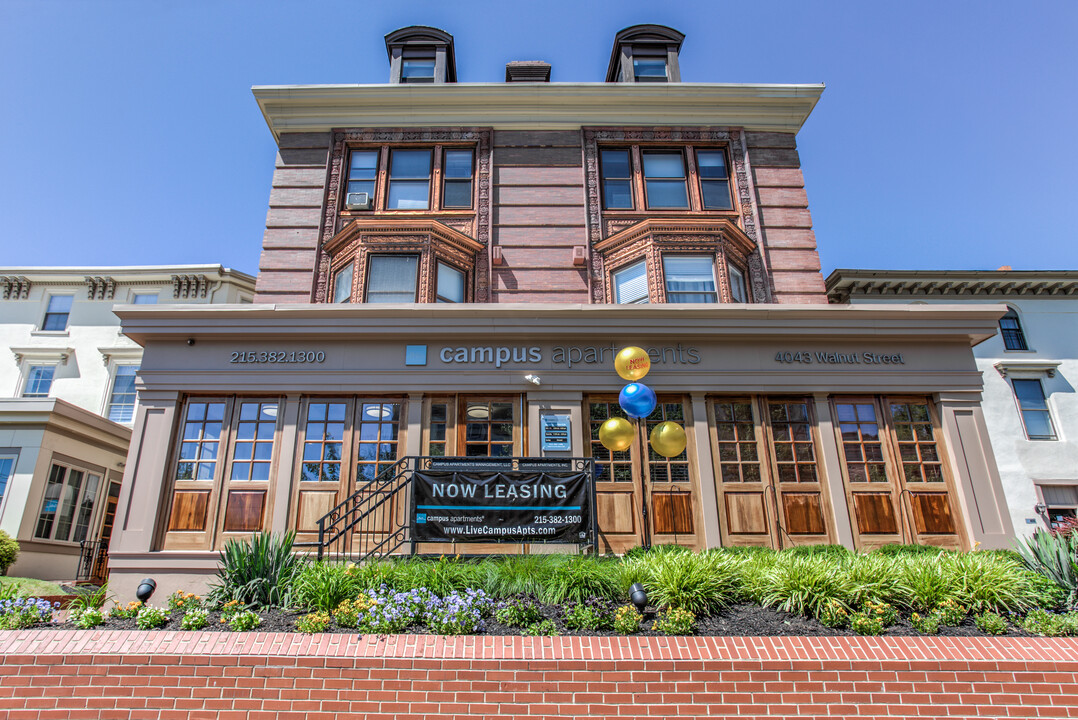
190 341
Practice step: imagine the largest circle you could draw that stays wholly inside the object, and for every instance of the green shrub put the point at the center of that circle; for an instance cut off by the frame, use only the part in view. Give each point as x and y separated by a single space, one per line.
988 582
442 576
1041 622
991 623
594 614
675 621
19 613
86 618
928 624
323 586
88 599
258 572
244 620
543 627
876 578
9 552
899 550
579 578
195 619
834 614
804 585
866 624
349 612
950 613
924 578
753 571
1056 558
701 583
315 622
514 575
150 617
627 620
518 612
371 574
836 552
1047 594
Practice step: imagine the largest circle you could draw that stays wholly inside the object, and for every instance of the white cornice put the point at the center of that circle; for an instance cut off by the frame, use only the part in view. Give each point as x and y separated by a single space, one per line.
536 106
845 284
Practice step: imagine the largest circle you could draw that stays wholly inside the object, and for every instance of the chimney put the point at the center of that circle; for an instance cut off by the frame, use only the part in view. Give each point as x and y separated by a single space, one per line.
527 71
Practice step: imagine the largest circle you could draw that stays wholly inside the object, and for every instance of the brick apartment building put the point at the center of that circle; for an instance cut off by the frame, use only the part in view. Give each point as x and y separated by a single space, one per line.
446 266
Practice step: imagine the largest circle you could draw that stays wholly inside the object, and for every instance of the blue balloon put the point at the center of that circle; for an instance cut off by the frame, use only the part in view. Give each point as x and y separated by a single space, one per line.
637 400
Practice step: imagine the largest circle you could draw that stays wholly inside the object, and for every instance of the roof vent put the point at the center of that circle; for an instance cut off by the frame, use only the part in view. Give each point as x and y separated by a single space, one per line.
527 71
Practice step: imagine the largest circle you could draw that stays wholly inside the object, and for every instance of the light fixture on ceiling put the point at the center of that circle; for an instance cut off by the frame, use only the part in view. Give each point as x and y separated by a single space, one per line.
533 379
377 411
478 412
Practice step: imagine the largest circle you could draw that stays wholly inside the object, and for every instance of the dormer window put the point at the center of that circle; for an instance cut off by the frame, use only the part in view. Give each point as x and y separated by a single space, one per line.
419 54
645 53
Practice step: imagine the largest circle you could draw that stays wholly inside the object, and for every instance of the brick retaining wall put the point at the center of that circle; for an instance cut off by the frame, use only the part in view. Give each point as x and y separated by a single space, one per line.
250 676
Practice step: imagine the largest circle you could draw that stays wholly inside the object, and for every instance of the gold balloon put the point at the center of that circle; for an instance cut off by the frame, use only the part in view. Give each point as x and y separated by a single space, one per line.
668 439
616 434
632 363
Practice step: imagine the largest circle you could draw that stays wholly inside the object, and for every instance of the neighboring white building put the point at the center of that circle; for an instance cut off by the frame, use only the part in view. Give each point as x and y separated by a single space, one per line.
1030 371
67 398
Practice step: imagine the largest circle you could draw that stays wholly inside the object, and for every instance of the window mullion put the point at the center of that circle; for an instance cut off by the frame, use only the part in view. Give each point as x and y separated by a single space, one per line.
382 179
696 203
435 192
637 172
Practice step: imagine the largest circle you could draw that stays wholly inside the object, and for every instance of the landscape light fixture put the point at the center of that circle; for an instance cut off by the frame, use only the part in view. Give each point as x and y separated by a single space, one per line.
145 589
638 596
533 379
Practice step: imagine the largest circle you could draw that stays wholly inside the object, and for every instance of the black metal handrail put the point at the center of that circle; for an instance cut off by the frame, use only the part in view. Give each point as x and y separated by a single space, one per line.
93 561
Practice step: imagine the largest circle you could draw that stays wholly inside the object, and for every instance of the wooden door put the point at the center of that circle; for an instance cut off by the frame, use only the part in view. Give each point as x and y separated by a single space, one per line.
871 489
252 454
617 481
377 444
323 466
490 427
799 499
927 488
672 490
439 427
196 475
746 509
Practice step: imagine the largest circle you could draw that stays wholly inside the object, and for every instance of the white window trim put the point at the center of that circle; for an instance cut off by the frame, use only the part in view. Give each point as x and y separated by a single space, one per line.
28 357
39 329
119 357
12 453
95 514
1026 372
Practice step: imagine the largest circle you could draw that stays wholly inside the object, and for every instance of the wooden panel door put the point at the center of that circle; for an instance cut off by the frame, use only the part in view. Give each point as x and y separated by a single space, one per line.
196 475
928 493
323 472
245 499
672 486
803 507
377 444
617 481
871 489
742 483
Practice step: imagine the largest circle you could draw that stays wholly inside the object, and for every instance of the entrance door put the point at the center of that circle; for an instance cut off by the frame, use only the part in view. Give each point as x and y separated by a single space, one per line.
99 570
617 484
377 445
324 459
746 510
673 503
898 487
802 505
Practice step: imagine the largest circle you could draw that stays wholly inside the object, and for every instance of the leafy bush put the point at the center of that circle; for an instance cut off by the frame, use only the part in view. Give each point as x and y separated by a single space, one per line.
9 552
9 591
804 585
950 613
513 575
579 578
324 586
885 613
518 612
229 609
543 627
258 572
1041 622
371 574
195 619
899 550
1055 557
244 620
125 612
835 552
348 613
834 614
150 617
924 578
181 601
675 621
700 583
875 578
19 613
864 623
458 614
315 622
442 576
991 623
753 570
593 614
88 599
988 582
86 618
627 620
927 624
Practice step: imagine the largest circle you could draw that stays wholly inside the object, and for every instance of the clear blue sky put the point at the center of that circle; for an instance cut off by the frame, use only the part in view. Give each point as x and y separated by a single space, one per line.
947 136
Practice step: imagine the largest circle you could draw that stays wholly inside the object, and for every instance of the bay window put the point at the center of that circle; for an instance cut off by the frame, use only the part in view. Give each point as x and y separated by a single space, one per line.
738 291
413 178
664 180
631 284
392 278
409 180
689 279
664 177
450 284
342 283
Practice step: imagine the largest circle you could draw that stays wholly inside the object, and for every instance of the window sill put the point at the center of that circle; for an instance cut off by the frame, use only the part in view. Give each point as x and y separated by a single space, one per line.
50 333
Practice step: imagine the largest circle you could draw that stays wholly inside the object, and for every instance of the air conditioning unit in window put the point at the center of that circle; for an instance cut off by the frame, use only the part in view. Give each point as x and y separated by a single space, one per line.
358 201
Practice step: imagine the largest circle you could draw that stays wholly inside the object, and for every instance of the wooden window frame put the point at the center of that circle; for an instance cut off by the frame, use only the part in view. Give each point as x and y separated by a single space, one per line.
434 280
1054 437
341 487
436 181
221 532
368 267
426 289
692 179
716 277
442 151
519 443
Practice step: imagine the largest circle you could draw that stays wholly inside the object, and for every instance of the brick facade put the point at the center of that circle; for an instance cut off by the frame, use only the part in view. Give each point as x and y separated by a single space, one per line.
249 676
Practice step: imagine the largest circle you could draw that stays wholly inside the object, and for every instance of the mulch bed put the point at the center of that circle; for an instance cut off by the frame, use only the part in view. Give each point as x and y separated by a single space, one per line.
737 620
